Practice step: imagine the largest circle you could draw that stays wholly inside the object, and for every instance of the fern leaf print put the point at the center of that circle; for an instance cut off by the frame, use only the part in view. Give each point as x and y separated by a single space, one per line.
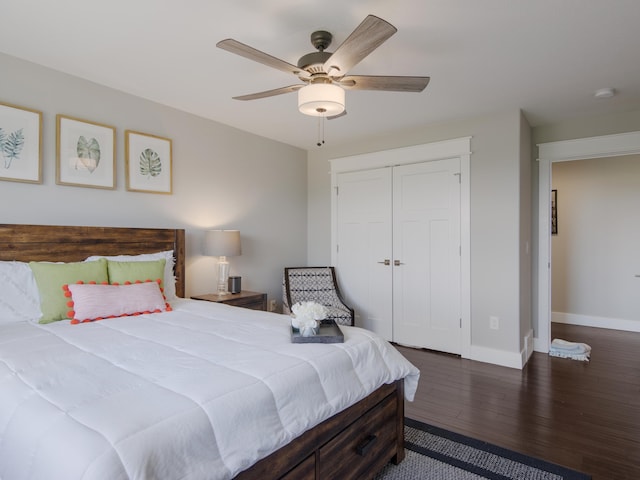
12 147
3 139
150 163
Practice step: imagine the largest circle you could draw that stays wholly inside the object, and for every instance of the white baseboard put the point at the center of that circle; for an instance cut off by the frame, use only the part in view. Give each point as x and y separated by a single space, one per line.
497 357
599 322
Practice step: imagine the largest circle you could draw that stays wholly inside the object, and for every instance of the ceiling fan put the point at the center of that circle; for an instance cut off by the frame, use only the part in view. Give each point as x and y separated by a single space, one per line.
324 74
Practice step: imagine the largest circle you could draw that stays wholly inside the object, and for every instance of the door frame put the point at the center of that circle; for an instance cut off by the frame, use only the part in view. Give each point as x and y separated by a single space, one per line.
563 151
454 148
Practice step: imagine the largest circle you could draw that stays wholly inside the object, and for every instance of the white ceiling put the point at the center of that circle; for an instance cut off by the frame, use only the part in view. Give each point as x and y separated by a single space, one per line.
547 57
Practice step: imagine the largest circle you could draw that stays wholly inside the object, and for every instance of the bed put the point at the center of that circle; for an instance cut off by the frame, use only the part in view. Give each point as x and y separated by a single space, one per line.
201 390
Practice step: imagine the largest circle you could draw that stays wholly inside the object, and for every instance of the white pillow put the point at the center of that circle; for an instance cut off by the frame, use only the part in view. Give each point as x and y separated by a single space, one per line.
169 278
19 297
92 302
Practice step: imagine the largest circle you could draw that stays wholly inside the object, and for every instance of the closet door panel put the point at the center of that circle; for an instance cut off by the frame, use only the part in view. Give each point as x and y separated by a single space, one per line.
363 245
426 251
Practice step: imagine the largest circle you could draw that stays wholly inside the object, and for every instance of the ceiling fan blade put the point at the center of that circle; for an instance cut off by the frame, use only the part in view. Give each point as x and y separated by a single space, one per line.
388 83
270 93
233 46
332 117
369 35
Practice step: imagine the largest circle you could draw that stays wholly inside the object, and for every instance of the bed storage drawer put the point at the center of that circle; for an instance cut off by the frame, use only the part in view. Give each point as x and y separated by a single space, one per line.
305 471
364 447
355 443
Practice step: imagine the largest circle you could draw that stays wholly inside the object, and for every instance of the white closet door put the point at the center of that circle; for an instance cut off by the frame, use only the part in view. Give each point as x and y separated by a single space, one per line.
363 245
426 248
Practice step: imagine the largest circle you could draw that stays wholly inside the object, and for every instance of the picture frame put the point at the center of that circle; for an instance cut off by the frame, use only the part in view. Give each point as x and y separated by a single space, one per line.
554 212
148 163
85 153
20 144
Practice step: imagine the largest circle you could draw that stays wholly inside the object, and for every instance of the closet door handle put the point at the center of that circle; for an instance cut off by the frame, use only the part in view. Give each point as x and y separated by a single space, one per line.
397 263
386 262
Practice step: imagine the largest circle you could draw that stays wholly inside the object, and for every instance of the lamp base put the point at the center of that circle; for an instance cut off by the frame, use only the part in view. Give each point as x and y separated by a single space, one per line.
223 276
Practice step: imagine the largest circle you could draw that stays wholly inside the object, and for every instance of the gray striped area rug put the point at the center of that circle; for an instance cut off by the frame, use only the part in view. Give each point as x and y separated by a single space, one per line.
436 454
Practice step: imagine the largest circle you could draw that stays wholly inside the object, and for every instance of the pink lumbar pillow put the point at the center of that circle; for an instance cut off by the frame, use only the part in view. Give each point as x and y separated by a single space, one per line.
90 302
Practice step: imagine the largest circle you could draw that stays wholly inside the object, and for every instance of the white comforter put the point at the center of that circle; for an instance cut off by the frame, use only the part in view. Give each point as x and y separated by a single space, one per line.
201 392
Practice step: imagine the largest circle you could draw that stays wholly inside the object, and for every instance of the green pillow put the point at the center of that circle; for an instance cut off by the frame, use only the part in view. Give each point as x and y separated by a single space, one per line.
132 272
50 277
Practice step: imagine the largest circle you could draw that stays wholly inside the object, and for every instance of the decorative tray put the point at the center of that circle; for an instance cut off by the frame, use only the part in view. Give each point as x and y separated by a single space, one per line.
328 332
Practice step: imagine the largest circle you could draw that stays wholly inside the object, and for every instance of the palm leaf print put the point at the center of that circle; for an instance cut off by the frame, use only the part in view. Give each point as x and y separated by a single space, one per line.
150 163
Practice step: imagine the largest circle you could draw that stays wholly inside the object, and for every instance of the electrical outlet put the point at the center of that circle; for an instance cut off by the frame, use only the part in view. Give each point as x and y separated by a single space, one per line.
494 323
272 305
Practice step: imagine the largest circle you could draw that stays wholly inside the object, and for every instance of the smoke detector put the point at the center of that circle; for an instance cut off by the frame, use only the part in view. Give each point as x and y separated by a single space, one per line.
605 93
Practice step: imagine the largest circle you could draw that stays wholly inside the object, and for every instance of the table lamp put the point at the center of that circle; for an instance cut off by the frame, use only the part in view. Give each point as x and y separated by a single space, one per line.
223 244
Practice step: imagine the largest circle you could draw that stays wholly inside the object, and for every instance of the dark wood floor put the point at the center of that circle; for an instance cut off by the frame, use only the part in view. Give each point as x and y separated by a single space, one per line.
585 416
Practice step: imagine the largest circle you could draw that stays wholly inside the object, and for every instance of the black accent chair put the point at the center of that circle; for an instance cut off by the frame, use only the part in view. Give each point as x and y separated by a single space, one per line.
317 284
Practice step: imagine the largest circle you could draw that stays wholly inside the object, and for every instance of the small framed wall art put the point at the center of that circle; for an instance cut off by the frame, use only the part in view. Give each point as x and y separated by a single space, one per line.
554 212
148 163
85 153
20 144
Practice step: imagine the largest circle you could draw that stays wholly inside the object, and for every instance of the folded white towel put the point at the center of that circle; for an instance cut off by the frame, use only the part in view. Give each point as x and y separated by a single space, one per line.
565 346
584 357
565 349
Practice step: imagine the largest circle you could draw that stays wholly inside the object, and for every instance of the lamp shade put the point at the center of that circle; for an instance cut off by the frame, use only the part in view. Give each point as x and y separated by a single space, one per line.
321 100
222 243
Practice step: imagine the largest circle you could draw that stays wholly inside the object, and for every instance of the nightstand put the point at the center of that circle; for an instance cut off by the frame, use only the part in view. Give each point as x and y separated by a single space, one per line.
246 299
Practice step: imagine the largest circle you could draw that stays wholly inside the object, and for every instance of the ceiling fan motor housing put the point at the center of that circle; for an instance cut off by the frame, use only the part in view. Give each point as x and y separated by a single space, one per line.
313 62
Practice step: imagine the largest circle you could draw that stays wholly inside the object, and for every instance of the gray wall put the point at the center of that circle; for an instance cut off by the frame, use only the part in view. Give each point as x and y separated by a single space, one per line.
222 178
497 171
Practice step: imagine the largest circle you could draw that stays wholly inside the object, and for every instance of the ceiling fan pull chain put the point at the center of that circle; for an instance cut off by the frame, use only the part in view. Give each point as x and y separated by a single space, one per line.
320 131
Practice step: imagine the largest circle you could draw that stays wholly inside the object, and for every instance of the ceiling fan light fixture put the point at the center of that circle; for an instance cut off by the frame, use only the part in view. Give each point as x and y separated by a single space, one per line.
321 100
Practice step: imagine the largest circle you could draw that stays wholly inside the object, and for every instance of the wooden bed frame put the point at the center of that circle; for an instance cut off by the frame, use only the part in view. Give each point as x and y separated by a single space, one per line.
355 443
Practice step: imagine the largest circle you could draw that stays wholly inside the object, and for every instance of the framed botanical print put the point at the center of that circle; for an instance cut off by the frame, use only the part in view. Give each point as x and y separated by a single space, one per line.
85 153
20 144
148 164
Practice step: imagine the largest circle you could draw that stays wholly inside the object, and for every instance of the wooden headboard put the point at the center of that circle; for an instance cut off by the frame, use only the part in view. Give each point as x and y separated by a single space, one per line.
41 243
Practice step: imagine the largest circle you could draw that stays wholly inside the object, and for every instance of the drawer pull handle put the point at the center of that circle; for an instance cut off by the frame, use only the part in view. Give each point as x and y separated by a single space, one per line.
366 445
